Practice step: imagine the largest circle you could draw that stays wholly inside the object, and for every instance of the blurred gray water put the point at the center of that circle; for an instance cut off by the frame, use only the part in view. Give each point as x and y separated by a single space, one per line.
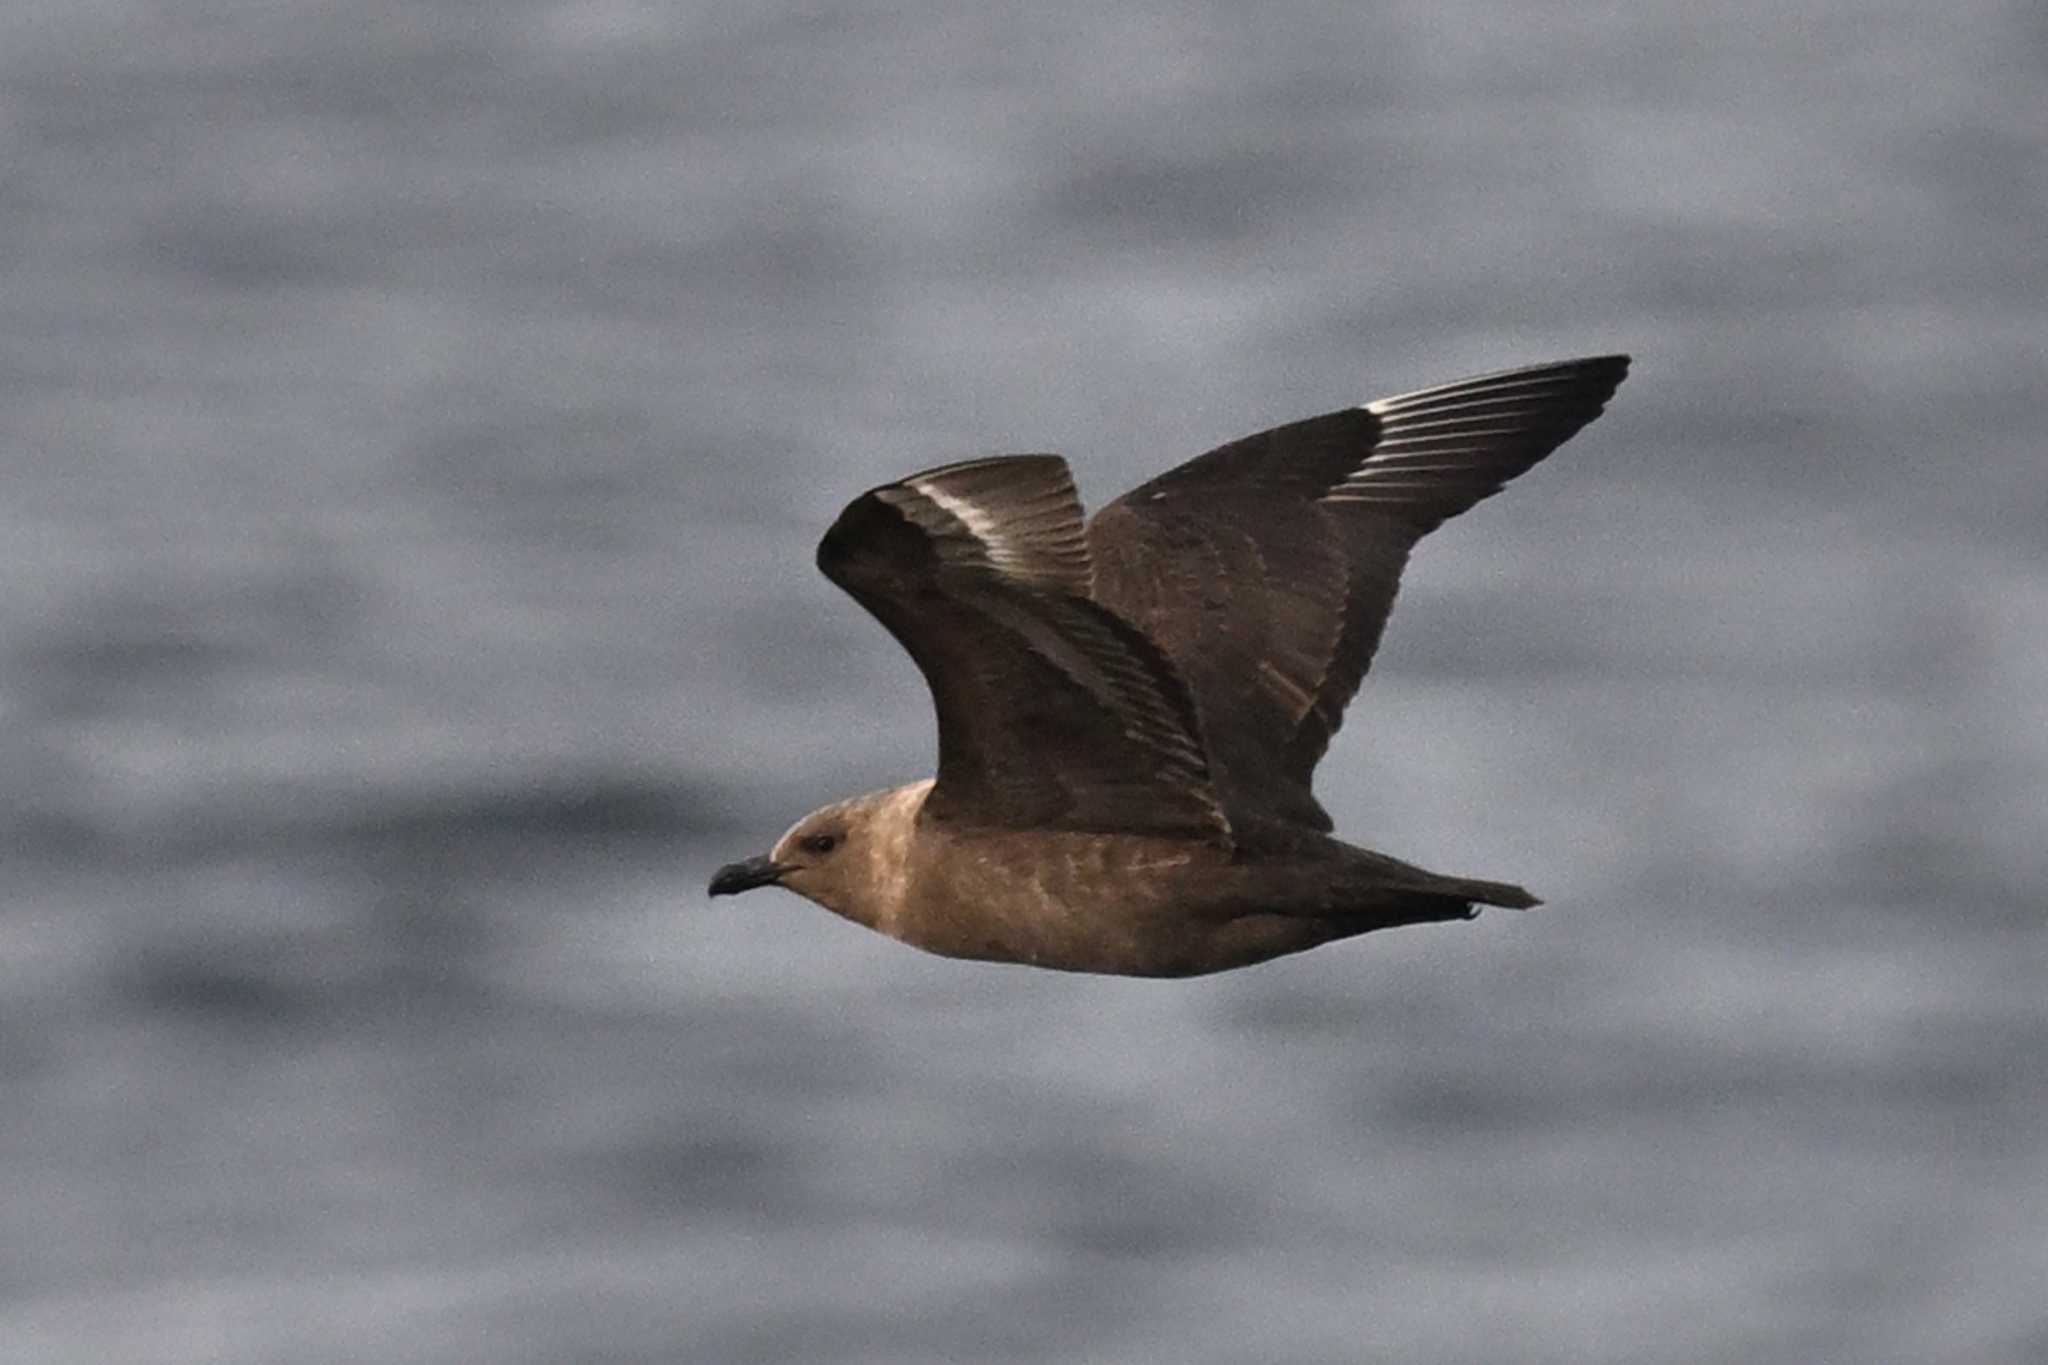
418 419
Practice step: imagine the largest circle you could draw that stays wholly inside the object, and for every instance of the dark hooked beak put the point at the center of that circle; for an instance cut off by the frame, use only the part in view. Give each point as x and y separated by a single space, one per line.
734 878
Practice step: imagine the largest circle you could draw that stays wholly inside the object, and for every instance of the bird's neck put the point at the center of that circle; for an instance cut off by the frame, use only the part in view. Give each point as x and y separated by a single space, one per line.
892 827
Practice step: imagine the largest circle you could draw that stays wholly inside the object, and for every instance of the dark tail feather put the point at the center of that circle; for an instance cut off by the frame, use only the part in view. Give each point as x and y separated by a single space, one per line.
1503 894
1440 900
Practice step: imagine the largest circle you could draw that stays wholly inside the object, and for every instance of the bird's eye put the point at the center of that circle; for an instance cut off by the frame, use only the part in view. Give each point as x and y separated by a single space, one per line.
821 843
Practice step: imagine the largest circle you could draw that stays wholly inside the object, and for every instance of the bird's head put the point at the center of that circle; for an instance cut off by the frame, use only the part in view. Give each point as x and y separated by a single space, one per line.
848 857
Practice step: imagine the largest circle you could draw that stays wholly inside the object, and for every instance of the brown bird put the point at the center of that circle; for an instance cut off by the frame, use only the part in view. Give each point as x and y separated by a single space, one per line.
1130 709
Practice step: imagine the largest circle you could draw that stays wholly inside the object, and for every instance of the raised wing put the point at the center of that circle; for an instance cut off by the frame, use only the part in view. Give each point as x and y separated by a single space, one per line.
1266 568
1053 712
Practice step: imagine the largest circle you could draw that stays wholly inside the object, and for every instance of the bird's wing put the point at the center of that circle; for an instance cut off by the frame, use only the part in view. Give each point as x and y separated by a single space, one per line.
1053 711
1266 568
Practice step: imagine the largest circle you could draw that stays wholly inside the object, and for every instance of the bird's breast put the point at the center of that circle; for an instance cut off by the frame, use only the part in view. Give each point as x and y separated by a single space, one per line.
1071 901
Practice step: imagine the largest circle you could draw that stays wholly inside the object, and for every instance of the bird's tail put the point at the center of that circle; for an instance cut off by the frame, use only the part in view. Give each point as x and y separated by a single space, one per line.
1418 895
1504 894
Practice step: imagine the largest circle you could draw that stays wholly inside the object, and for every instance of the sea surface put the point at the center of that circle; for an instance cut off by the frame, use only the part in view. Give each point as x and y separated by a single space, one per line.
415 423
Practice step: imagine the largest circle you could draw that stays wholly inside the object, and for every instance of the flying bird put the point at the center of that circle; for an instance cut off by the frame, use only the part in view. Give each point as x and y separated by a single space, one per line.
1131 707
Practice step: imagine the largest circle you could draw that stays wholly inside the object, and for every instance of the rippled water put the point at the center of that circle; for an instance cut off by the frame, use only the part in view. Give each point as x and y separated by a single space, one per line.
418 419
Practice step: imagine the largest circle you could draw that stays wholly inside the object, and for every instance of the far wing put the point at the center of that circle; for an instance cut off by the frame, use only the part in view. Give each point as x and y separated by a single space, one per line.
1266 568
1053 712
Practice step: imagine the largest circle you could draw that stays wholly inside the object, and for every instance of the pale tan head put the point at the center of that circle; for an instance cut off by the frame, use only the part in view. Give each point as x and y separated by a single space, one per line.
849 857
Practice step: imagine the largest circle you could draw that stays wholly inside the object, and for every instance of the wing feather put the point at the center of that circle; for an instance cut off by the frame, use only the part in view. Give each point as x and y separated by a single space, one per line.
1266 569
1053 711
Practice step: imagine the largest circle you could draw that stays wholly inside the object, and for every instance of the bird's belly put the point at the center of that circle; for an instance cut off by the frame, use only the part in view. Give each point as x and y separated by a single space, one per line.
1090 903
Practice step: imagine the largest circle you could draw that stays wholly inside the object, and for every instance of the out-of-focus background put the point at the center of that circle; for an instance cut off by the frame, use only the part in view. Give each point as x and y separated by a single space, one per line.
417 422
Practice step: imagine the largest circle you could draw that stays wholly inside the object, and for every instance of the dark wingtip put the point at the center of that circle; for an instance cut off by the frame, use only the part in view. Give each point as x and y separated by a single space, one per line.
1595 378
1607 371
869 529
1611 368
